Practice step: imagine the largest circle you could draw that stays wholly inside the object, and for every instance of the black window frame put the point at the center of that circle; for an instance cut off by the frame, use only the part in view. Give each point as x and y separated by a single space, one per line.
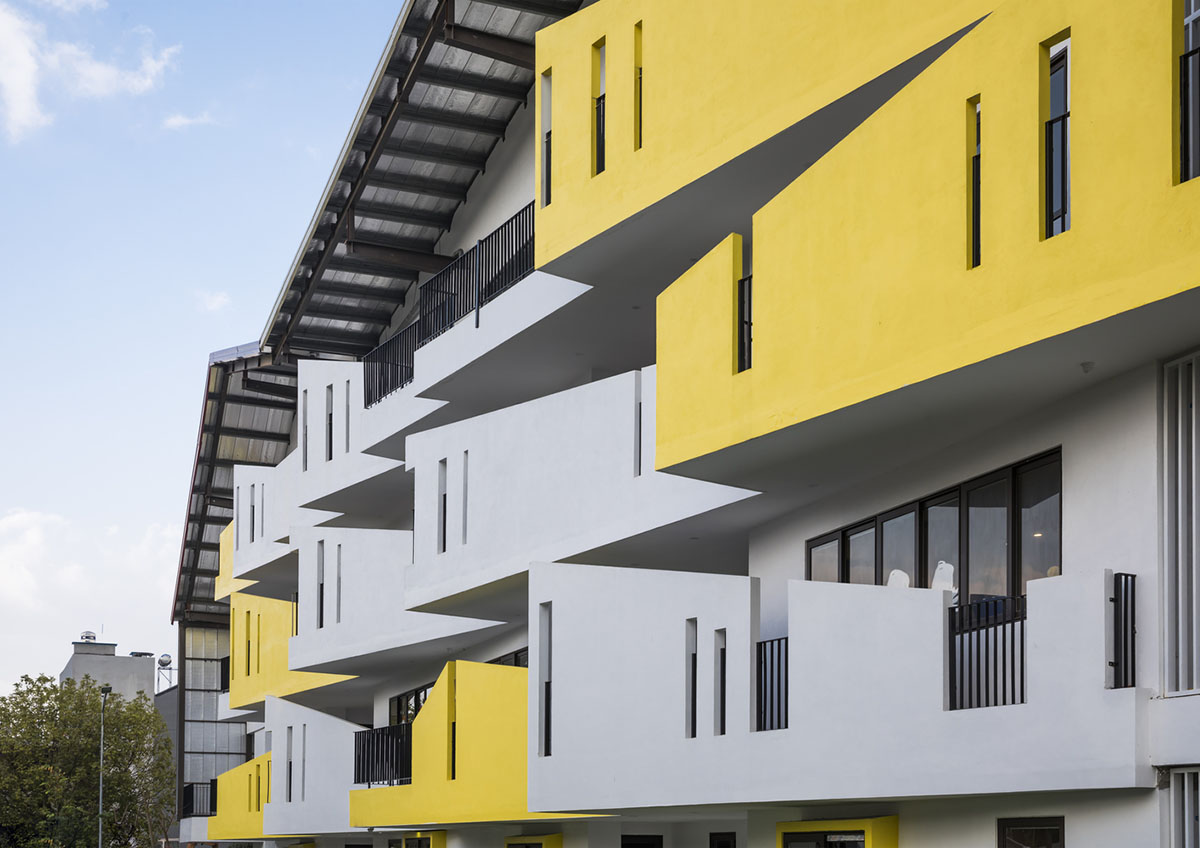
1058 61
920 506
641 840
1002 825
418 695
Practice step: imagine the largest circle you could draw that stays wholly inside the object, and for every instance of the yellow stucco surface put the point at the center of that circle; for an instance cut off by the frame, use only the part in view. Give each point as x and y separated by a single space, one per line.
861 277
226 584
241 792
268 624
710 90
488 706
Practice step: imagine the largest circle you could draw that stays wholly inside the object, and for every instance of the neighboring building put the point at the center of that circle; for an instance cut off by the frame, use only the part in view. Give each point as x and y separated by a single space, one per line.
128 676
696 429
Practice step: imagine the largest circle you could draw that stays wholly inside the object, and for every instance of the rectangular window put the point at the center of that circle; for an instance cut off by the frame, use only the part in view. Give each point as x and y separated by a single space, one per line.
347 417
320 584
252 512
237 518
1031 833
1189 93
248 632
974 145
338 603
1010 534
546 127
303 757
690 677
1185 808
1058 142
637 85
304 430
545 634
637 424
288 785
329 422
464 498
745 322
598 107
719 675
258 644
1181 578
442 518
262 509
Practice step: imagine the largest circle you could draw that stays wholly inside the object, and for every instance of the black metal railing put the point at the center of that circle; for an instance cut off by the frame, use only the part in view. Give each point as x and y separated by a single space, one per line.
546 181
224 674
506 255
198 799
745 321
1124 633
389 367
383 755
546 719
975 216
600 134
497 262
1189 115
986 662
772 688
1058 176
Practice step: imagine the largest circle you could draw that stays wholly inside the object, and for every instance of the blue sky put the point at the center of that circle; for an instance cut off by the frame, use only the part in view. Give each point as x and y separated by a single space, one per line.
159 162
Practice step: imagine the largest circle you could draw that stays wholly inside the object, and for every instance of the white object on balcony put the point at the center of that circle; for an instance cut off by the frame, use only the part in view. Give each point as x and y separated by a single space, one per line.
898 579
943 578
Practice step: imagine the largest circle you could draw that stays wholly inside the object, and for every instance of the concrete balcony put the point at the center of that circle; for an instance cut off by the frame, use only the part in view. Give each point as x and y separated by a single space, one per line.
569 476
467 755
866 709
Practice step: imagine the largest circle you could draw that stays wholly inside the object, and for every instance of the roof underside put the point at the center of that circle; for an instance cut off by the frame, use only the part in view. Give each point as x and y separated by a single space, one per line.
249 409
450 80
453 75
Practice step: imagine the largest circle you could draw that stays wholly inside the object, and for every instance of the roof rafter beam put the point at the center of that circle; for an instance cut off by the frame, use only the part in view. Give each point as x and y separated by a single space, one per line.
436 155
245 433
401 215
347 313
418 185
535 7
474 83
392 297
481 43
370 267
263 403
453 121
417 260
266 387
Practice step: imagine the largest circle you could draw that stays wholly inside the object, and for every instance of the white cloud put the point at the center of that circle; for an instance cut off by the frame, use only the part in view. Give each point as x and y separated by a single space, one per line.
29 62
213 301
70 7
19 70
61 577
179 121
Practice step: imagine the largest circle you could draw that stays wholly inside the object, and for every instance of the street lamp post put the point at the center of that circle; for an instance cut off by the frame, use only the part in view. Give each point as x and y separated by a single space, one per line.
104 692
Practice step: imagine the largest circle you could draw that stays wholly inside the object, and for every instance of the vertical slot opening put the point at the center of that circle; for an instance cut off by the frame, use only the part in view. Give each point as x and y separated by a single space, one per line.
347 417
329 422
719 676
464 496
320 584
441 507
545 130
637 424
545 636
690 676
1056 102
637 85
252 519
974 149
338 602
598 91
304 430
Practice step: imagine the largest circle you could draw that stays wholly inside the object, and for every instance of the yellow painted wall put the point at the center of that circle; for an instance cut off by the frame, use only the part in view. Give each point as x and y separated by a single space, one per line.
861 278
717 80
270 627
882 832
226 584
488 703
241 792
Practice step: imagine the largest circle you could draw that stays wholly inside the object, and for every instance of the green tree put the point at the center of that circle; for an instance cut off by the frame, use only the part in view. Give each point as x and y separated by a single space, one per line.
50 767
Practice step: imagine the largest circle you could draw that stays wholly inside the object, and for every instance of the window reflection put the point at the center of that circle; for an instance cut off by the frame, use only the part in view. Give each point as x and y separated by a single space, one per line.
941 536
862 556
900 546
987 540
1038 497
824 562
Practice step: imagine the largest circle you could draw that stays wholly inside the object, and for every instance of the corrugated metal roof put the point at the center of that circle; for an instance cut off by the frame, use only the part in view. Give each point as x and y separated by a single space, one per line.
449 82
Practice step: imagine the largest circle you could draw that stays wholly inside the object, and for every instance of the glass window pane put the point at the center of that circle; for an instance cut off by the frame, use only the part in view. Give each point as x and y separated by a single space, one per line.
941 537
824 561
862 556
1039 498
900 546
987 541
1032 836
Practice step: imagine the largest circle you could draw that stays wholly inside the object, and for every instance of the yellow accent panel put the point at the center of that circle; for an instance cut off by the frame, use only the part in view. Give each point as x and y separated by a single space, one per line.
883 832
860 283
239 811
226 584
488 703
270 623
710 90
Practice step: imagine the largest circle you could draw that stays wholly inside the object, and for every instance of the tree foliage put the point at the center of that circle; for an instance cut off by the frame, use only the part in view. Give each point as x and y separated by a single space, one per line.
50 767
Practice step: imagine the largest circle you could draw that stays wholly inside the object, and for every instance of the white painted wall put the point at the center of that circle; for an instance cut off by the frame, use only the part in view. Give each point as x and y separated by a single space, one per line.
322 760
547 479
